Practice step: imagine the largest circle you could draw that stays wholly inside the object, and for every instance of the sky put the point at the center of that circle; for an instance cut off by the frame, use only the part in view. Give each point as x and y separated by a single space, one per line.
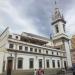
35 16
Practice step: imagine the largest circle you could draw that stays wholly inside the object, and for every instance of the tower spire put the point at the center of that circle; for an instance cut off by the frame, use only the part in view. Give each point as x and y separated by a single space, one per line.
57 14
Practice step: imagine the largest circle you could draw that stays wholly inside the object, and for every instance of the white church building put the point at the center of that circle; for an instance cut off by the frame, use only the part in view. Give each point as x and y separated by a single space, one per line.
28 51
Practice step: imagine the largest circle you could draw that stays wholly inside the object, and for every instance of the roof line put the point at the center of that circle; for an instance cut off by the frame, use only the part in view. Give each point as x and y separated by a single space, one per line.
4 31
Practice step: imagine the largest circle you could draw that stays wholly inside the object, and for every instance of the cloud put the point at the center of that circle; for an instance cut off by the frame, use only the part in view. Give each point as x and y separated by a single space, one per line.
70 18
25 24
34 16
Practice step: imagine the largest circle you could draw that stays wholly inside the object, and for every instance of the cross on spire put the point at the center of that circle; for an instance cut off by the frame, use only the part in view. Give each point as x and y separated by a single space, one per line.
55 2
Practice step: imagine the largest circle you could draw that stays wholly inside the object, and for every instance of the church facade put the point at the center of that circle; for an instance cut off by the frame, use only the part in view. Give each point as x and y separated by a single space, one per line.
28 51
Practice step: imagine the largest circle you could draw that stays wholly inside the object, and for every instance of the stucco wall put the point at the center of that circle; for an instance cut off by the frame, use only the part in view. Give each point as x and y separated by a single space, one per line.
68 54
1 61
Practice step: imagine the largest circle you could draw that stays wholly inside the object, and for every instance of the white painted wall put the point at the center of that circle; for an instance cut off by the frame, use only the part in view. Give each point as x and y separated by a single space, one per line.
26 60
1 61
67 48
61 29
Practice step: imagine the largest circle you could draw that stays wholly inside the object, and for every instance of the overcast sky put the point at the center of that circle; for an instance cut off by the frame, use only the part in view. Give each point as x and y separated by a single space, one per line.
34 16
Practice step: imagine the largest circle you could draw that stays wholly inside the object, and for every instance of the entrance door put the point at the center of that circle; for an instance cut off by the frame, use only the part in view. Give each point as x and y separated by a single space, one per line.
9 66
65 65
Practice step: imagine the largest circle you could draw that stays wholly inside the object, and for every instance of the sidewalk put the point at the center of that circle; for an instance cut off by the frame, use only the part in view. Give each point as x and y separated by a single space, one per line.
67 74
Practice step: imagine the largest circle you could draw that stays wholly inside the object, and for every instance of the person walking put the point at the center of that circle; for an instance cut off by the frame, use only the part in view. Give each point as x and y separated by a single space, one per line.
35 72
40 72
73 71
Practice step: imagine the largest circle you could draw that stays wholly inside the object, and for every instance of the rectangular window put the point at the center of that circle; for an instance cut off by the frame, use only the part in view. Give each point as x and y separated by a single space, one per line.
10 36
16 37
65 65
20 63
57 53
31 49
58 48
26 48
40 63
35 49
11 46
64 27
31 62
53 62
46 52
52 53
39 50
56 27
58 62
47 63
20 47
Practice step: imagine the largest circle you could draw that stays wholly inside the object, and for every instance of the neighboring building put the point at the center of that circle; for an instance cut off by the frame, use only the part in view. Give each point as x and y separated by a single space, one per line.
73 49
29 51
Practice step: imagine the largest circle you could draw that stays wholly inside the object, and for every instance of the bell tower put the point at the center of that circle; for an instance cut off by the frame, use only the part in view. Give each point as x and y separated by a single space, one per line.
60 39
58 23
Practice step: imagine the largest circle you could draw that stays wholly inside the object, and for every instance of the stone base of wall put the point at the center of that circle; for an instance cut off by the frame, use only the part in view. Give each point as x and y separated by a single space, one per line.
31 72
51 71
23 72
1 74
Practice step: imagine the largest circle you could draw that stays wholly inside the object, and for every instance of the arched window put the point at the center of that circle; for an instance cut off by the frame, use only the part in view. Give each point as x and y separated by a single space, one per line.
57 29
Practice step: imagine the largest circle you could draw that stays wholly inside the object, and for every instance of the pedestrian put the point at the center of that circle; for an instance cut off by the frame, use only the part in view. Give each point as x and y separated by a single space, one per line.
35 72
40 72
73 71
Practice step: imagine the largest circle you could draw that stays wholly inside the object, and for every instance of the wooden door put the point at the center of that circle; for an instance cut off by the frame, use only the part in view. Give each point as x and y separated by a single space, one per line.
9 66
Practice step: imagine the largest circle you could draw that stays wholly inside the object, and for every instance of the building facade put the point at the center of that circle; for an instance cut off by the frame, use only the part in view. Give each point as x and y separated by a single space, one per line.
28 51
73 49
